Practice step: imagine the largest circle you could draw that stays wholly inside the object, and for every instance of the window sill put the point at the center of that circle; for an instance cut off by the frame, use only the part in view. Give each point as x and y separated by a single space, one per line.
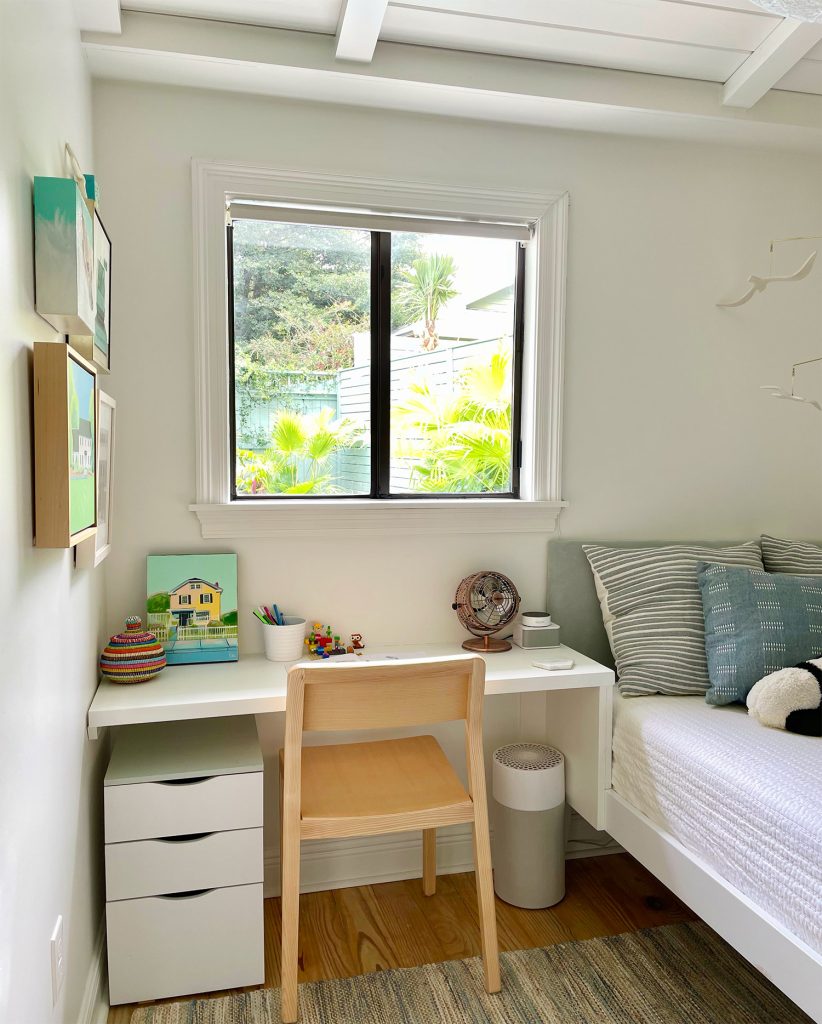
352 517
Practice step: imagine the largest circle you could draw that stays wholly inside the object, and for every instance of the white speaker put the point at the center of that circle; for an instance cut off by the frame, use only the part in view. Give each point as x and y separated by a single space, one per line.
528 787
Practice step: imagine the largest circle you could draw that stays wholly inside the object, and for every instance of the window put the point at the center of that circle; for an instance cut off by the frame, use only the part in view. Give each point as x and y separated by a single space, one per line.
205 598
376 363
283 196
184 598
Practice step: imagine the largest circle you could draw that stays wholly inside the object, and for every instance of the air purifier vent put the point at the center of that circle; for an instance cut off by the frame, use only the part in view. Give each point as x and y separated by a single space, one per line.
528 756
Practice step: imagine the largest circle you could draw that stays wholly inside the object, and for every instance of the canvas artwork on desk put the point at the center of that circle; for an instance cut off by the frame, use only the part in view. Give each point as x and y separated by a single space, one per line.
191 606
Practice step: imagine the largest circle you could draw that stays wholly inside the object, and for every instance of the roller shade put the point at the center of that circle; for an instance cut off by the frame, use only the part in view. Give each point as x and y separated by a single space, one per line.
337 217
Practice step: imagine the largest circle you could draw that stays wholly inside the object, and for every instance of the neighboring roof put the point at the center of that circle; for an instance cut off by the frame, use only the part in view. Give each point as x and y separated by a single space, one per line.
196 579
500 300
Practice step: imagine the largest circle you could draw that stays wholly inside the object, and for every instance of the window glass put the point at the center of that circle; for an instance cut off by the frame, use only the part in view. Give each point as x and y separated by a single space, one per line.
452 362
302 352
445 340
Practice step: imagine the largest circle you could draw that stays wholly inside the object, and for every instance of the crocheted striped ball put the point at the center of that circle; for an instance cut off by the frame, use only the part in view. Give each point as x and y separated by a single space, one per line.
133 656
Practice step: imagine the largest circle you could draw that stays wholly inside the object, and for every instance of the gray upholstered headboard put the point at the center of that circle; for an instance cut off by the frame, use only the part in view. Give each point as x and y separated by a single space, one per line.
573 602
572 596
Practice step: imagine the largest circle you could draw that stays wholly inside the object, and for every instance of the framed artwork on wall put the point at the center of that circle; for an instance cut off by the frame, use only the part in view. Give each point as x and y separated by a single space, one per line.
101 353
65 448
93 550
96 344
64 256
191 606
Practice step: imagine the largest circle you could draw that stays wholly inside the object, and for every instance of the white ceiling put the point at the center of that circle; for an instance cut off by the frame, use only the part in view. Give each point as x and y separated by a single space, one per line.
708 40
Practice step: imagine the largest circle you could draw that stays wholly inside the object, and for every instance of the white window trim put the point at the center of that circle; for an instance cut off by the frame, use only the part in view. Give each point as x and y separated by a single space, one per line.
538 508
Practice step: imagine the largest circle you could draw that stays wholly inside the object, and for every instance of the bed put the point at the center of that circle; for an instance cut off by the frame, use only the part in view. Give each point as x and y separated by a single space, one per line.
747 858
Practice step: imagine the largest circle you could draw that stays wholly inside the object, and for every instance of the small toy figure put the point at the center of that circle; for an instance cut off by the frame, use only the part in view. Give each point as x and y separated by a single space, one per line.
356 642
322 642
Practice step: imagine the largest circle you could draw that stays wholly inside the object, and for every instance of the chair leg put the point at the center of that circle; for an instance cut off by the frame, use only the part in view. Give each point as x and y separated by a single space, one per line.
487 908
290 899
282 787
429 861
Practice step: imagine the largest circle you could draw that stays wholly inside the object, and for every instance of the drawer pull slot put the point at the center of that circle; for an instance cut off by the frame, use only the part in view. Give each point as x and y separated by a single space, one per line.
185 782
194 837
192 894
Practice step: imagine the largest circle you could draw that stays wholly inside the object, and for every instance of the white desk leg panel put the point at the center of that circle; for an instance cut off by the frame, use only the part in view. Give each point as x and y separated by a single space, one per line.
578 722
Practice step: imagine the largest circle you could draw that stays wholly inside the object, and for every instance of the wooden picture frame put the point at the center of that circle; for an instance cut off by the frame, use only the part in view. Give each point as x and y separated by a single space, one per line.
65 448
93 550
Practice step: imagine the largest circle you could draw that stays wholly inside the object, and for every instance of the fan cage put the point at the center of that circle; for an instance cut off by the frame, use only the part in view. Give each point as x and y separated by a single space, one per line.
468 614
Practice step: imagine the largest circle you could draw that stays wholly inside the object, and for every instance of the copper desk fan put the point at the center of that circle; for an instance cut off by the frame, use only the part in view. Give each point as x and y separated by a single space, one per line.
485 603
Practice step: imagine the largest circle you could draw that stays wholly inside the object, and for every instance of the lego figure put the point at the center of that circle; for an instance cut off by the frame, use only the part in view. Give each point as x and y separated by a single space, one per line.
356 642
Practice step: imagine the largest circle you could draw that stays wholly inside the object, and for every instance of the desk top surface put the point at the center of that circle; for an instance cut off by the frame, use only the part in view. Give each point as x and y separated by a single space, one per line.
254 685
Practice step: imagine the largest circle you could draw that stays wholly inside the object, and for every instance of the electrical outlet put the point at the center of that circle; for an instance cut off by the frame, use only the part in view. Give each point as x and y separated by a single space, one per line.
57 960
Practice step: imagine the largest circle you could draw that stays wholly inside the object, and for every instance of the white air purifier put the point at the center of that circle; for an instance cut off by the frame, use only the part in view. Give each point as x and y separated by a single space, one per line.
528 787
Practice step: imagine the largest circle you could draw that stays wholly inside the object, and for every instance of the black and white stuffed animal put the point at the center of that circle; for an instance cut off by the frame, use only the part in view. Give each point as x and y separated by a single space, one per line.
790 699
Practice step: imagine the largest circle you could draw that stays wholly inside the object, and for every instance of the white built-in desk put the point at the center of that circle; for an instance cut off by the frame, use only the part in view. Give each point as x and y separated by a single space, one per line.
570 709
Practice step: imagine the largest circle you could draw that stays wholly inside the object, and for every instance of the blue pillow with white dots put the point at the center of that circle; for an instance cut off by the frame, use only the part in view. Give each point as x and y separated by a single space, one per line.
756 623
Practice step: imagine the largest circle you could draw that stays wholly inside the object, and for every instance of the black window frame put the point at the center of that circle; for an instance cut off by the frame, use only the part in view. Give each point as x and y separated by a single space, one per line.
381 385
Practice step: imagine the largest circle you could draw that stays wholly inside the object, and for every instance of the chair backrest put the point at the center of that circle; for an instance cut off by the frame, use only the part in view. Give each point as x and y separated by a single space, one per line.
332 697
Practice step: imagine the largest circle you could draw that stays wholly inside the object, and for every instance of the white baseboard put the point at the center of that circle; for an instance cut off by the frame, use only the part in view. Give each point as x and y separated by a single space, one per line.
94 1007
593 850
342 863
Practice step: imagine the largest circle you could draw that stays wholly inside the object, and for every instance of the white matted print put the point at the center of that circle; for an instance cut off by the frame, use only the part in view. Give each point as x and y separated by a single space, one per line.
102 283
92 551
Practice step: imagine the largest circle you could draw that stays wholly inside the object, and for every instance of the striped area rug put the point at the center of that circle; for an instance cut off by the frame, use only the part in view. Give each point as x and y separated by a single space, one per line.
675 974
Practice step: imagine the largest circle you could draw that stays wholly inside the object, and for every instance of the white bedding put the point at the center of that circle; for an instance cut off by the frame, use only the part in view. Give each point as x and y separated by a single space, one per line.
747 799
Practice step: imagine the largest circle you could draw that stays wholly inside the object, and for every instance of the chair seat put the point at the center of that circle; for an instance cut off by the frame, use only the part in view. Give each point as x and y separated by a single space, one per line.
384 786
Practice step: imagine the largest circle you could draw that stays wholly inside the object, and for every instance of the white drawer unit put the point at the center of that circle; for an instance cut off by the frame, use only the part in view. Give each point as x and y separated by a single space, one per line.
177 945
183 806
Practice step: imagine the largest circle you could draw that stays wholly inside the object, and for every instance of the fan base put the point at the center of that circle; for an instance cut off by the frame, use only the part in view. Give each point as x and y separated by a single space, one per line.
486 645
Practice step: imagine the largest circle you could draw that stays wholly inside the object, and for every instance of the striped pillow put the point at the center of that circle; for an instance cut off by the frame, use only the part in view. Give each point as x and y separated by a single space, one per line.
652 611
800 558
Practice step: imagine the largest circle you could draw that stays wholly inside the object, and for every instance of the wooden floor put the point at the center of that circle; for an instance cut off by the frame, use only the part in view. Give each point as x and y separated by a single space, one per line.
344 932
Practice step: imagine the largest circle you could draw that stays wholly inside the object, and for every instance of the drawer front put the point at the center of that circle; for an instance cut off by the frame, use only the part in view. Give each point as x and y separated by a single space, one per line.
173 946
149 810
152 867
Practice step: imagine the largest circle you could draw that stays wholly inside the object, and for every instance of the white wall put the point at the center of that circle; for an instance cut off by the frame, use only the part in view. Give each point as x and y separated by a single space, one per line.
50 615
666 434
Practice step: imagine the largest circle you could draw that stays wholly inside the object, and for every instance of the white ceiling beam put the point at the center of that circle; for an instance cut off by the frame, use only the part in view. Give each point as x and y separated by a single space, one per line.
98 15
359 29
770 61
276 62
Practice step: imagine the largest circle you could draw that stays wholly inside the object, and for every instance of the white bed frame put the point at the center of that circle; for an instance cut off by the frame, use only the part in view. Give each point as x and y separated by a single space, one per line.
784 959
771 947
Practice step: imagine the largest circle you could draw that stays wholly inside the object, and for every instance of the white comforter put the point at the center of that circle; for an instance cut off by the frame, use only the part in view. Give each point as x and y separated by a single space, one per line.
746 798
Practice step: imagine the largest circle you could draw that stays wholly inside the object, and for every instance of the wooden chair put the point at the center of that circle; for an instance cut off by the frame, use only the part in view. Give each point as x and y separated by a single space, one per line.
364 789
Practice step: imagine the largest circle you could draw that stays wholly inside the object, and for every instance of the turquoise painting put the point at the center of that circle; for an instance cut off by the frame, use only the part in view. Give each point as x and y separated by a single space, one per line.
65 284
82 433
191 606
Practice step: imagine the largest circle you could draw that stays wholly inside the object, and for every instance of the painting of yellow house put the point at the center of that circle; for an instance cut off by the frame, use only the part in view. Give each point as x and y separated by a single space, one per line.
191 604
195 602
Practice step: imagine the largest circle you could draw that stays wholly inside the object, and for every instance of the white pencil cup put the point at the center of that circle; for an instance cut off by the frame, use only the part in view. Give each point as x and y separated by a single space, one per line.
285 643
